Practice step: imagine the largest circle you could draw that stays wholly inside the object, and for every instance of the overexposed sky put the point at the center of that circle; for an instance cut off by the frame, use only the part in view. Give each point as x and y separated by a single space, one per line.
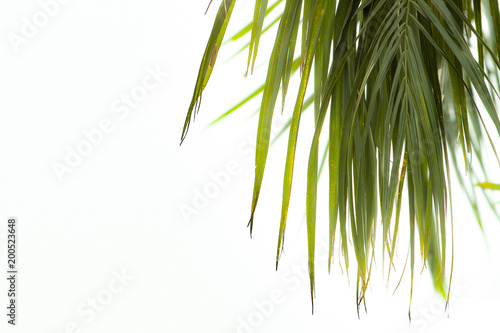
122 230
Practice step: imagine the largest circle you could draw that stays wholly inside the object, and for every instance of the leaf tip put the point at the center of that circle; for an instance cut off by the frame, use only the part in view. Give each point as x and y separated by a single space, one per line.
250 224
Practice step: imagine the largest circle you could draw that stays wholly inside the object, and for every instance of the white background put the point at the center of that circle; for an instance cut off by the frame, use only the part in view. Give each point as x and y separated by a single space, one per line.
118 211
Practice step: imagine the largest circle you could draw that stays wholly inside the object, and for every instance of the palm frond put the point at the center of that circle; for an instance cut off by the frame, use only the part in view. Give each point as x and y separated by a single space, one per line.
402 86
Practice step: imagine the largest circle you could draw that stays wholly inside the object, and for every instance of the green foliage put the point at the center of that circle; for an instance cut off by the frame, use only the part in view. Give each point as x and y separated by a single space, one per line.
490 186
401 85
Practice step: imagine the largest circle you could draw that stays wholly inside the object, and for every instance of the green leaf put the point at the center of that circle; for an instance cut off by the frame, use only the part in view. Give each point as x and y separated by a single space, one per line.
275 73
489 186
209 58
258 22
